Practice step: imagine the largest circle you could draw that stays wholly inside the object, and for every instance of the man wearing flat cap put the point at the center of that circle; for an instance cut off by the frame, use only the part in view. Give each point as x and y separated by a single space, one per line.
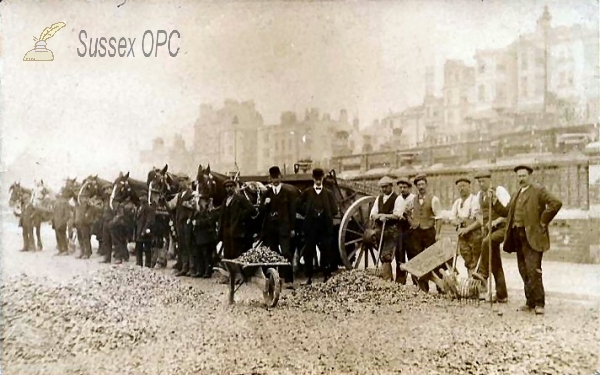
404 186
278 205
529 213
319 207
235 211
425 224
463 215
489 217
387 211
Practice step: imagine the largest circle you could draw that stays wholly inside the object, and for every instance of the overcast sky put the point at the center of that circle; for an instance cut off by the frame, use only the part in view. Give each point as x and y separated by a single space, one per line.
81 115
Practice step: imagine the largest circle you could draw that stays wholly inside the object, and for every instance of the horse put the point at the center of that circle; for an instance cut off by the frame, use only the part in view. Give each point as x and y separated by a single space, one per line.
16 194
163 188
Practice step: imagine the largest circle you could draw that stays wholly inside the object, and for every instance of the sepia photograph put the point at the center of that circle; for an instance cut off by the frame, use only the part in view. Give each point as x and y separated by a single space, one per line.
254 187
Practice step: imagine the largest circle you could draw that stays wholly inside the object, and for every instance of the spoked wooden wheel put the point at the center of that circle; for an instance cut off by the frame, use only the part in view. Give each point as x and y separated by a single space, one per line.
272 287
358 247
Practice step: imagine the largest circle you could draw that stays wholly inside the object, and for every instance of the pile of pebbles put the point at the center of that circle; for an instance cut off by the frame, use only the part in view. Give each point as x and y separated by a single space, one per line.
349 290
261 254
106 310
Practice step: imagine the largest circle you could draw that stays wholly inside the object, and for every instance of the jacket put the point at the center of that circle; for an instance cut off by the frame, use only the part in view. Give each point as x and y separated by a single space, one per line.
232 220
61 214
280 212
540 207
308 200
145 216
205 226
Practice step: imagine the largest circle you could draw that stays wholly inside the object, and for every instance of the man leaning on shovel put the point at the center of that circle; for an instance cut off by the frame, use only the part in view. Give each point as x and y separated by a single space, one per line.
386 213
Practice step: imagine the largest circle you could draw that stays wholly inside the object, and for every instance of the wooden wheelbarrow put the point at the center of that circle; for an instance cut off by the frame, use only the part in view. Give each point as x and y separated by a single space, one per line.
431 258
264 275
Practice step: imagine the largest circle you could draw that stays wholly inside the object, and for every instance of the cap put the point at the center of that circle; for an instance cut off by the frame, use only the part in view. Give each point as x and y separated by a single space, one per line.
274 171
229 181
404 181
462 179
528 168
420 177
318 173
385 180
483 174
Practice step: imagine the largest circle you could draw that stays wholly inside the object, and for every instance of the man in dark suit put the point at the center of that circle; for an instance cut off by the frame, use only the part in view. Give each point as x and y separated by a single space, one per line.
145 215
204 237
234 213
319 207
279 207
528 214
183 224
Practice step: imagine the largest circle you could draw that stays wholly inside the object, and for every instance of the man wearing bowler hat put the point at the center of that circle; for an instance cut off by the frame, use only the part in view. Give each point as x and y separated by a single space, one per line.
405 187
387 210
279 206
496 237
529 213
319 206
464 217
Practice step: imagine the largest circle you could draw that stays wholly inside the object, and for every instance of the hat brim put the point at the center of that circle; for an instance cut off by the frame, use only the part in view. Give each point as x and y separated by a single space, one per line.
462 180
519 167
403 182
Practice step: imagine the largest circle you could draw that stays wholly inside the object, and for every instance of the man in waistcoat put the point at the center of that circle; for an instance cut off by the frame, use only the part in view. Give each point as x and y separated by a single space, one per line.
401 256
529 213
388 208
425 224
493 239
279 206
465 211
235 211
319 206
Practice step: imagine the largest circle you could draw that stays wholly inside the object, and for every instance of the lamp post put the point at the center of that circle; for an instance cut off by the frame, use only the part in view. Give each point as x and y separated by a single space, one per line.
235 123
545 24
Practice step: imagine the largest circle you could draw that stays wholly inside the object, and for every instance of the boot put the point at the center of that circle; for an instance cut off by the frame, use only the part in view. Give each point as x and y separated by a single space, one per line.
400 275
386 271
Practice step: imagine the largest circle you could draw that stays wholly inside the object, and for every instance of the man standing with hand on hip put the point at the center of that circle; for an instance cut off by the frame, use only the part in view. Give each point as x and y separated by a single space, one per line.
529 212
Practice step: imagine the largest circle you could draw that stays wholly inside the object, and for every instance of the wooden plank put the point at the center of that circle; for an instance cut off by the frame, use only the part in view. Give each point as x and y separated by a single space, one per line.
432 257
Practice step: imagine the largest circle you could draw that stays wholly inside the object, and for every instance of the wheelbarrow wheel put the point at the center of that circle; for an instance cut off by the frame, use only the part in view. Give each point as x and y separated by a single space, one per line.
272 288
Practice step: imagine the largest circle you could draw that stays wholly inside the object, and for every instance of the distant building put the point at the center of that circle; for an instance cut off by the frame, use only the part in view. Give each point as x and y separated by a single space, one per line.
178 157
316 137
228 137
459 96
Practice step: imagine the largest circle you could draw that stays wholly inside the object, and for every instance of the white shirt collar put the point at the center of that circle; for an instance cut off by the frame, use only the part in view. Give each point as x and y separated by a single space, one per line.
276 189
318 189
525 188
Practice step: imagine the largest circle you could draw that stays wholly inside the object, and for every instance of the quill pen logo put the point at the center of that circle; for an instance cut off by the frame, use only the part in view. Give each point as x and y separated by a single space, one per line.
40 52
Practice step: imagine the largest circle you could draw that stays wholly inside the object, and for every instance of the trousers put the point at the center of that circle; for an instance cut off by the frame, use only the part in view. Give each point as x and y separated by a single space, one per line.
529 262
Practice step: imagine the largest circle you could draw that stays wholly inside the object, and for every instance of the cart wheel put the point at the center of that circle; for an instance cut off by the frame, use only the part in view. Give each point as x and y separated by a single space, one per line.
355 248
272 288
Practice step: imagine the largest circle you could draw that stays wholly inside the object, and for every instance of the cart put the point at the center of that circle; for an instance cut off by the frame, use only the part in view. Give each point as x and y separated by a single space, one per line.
263 275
